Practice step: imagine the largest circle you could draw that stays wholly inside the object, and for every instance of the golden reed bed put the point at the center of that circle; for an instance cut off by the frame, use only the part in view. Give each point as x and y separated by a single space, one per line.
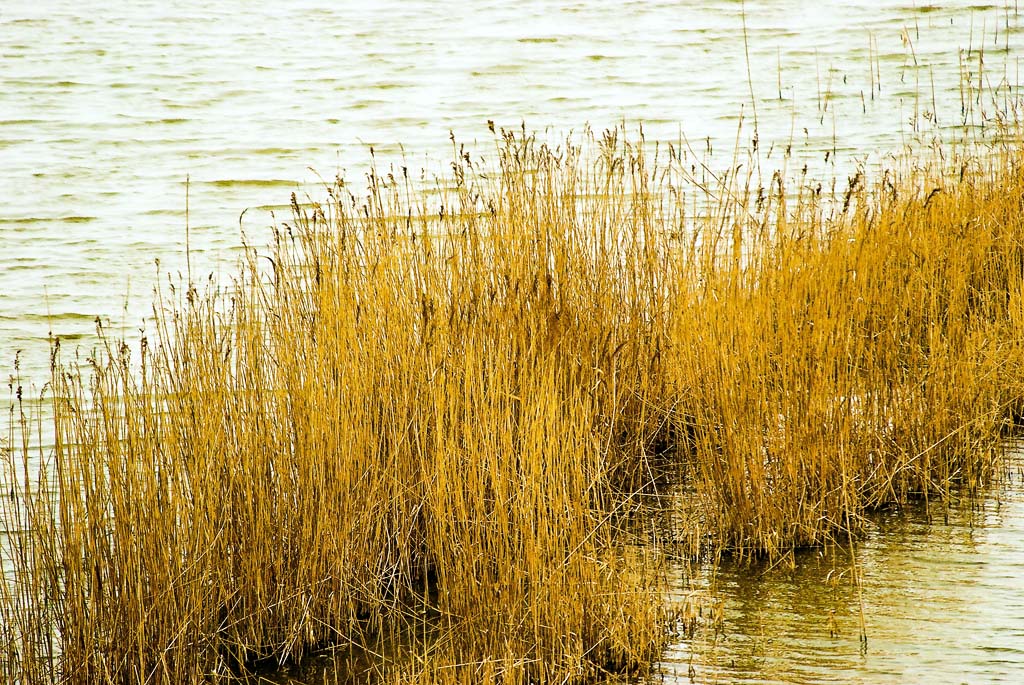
429 417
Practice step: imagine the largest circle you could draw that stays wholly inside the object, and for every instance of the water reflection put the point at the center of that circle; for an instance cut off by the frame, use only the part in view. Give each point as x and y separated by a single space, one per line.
939 600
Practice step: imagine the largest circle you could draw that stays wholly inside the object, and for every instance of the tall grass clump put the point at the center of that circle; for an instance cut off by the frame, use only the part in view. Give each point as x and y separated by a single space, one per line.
398 411
838 355
432 413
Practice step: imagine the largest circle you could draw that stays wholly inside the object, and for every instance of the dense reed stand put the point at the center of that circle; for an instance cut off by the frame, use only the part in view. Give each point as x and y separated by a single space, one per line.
431 414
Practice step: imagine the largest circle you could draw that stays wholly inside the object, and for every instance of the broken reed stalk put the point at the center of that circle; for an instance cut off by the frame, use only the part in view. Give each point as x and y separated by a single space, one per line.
411 409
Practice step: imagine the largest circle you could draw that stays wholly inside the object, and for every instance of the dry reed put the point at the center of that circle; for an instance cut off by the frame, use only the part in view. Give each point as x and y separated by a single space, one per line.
434 414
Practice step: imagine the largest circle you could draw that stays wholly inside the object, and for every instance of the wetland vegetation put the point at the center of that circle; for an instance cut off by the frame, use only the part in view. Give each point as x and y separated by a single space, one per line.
445 411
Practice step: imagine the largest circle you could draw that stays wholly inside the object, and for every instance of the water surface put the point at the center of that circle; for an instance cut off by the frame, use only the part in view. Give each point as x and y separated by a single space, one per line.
929 595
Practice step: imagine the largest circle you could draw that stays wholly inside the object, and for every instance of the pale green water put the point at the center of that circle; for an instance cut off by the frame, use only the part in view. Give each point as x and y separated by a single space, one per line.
105 108
941 598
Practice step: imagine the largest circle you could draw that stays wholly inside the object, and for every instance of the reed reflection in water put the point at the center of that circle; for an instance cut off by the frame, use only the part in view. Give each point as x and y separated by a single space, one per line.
940 589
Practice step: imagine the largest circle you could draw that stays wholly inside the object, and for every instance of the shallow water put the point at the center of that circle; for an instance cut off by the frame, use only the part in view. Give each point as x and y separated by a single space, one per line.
939 601
107 108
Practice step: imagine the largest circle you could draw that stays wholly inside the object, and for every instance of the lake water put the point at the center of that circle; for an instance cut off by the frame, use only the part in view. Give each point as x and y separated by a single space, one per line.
106 109
939 601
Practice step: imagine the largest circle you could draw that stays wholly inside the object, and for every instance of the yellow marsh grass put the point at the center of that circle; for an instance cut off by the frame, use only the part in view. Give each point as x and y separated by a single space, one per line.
409 409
